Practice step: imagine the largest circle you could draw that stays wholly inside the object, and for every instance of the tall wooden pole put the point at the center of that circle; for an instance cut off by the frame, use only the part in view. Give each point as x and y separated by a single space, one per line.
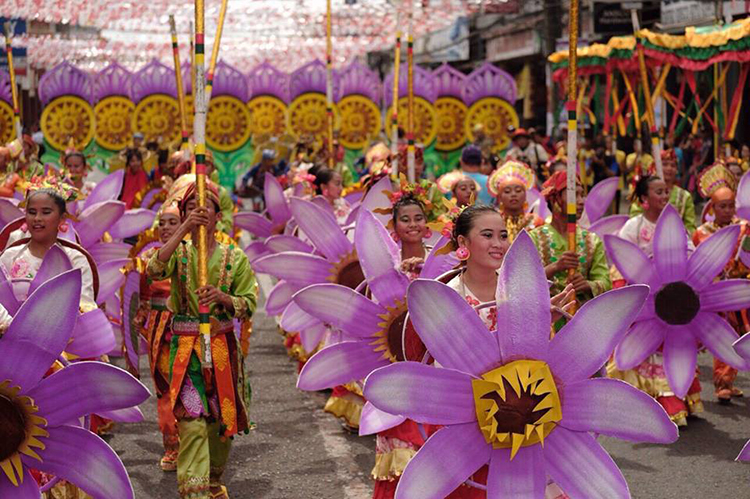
13 88
215 50
199 131
180 87
394 115
572 126
411 153
329 86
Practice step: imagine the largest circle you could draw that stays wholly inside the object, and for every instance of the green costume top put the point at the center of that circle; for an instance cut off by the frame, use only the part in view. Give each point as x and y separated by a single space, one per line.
228 270
683 203
593 261
226 205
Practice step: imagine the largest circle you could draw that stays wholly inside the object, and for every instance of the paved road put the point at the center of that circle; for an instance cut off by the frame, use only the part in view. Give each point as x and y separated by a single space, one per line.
299 452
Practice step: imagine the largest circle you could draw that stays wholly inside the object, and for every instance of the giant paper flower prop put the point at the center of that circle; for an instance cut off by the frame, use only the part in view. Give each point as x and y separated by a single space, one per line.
682 308
38 415
515 399
742 347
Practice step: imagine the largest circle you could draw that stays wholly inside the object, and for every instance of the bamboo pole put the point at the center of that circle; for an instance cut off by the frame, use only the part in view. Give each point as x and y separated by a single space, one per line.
199 131
572 127
13 88
394 114
329 86
215 50
411 153
180 87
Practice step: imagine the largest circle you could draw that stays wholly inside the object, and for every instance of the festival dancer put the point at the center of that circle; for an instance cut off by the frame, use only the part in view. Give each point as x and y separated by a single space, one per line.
135 177
329 184
509 185
209 403
461 188
719 185
75 169
155 321
588 261
678 197
25 154
650 377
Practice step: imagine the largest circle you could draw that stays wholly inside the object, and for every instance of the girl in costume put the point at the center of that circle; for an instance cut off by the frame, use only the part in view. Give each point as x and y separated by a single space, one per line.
509 184
650 377
8 178
678 197
136 178
75 168
719 185
329 184
210 403
459 187
155 320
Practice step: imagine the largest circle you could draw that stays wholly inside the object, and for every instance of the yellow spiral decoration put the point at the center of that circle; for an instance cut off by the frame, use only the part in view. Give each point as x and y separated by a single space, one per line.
68 117
268 116
360 121
425 119
495 115
307 116
228 124
6 123
113 119
451 114
157 117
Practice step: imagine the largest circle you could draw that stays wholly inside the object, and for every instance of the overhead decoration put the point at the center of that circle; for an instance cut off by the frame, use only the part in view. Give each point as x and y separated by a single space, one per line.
359 106
306 117
490 93
425 119
6 109
65 92
114 109
449 108
228 123
269 95
157 113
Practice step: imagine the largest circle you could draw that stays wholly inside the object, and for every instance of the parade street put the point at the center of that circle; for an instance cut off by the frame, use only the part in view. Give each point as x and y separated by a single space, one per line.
300 452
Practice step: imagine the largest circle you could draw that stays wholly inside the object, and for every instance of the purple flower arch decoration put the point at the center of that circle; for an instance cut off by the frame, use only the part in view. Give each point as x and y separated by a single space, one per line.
265 79
358 79
64 79
112 80
228 80
5 92
153 78
312 78
489 81
424 85
449 82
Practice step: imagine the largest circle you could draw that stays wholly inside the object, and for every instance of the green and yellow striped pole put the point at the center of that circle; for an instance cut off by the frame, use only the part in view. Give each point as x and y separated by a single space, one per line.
199 131
572 127
180 88
13 88
329 86
411 153
215 50
394 114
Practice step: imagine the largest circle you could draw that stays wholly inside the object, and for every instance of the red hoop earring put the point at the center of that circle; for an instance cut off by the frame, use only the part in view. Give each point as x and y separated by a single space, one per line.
463 253
64 227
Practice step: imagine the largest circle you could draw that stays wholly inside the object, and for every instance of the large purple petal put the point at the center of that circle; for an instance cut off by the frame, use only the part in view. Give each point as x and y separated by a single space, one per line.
643 339
85 388
294 319
524 477
373 420
294 267
377 198
256 250
276 203
36 336
7 295
107 190
743 197
614 408
610 225
311 336
447 459
422 393
710 257
450 328
55 263
600 198
93 335
436 265
593 332
255 223
581 467
744 454
9 211
742 347
634 265
339 364
79 456
97 219
725 296
279 297
132 222
670 246
718 336
523 304
321 229
26 490
341 307
111 279
127 415
104 252
282 243
680 359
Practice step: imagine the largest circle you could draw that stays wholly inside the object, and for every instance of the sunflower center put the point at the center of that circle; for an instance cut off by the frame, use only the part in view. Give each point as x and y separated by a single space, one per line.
12 427
677 304
389 337
517 405
347 271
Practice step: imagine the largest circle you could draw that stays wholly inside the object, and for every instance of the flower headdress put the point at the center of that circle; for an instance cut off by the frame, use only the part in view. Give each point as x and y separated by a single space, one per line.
715 177
447 182
512 171
418 191
447 222
66 191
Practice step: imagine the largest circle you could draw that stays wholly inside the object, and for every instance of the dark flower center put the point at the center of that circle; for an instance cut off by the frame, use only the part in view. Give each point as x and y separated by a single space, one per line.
515 412
351 275
12 428
677 304
395 333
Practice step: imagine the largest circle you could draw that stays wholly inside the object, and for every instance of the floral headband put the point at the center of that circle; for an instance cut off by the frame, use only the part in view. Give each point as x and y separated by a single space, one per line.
419 192
66 191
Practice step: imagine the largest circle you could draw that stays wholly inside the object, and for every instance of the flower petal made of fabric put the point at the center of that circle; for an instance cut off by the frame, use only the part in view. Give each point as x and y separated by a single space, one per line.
715 333
523 477
451 330
610 225
255 223
339 364
280 297
299 268
93 335
376 198
680 359
523 303
311 336
85 388
97 219
725 296
132 223
616 409
108 189
82 458
104 252
436 265
36 337
422 393
128 415
276 202
643 339
670 246
711 256
55 262
282 242
744 454
445 461
594 332
341 307
321 228
294 319
111 279
634 265
373 420
742 346
600 198
7 295
581 467
26 490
